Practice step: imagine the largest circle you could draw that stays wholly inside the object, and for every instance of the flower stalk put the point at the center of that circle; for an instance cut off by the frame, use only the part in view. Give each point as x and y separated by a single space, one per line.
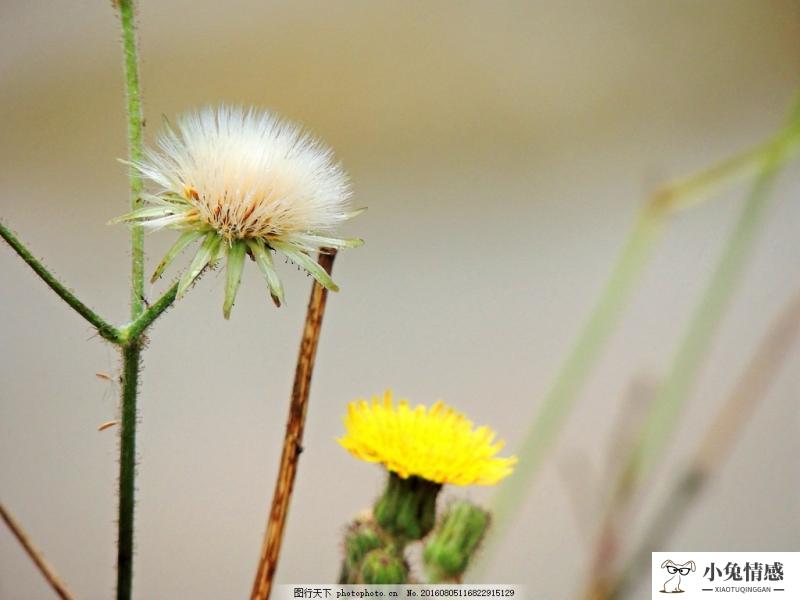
293 439
131 353
131 356
135 147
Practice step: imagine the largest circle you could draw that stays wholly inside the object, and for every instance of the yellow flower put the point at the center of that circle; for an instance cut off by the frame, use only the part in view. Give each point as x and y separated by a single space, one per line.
437 444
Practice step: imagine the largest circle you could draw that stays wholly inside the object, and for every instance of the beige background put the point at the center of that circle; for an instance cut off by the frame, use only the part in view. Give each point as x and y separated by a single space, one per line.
503 149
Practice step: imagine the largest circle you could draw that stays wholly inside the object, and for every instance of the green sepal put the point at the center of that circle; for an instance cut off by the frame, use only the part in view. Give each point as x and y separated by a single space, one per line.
205 255
356 212
235 266
311 241
146 212
308 263
263 257
407 508
184 240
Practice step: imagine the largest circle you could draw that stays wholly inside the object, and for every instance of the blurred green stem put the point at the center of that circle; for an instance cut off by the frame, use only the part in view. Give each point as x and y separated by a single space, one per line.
582 356
715 446
704 323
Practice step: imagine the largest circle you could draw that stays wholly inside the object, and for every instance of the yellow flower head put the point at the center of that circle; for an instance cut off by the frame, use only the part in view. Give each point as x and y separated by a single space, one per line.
437 443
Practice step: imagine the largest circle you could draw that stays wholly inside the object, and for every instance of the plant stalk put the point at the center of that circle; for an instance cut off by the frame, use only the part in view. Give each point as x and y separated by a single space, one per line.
136 328
716 444
293 439
127 469
105 329
131 353
35 555
705 320
585 351
135 148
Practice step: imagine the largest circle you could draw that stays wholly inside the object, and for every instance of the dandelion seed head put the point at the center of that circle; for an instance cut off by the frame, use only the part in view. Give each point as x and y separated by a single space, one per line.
246 174
243 183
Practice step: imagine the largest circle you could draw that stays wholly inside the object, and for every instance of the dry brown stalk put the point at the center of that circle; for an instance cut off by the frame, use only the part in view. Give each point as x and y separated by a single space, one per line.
292 442
36 556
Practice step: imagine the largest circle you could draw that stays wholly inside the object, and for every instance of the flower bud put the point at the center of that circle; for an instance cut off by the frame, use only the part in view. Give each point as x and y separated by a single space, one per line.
381 567
407 509
450 548
361 538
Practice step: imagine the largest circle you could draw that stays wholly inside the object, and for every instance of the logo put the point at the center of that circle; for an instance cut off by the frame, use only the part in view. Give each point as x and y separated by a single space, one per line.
675 571
720 575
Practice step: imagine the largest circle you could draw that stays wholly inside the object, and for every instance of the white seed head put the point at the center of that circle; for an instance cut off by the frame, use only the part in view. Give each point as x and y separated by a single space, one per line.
244 183
246 174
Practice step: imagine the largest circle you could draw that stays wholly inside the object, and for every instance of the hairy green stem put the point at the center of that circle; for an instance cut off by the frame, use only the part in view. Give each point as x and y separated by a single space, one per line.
127 469
135 149
105 329
131 353
136 328
591 340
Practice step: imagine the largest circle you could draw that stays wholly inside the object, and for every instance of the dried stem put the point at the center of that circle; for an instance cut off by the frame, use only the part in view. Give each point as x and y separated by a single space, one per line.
292 442
36 556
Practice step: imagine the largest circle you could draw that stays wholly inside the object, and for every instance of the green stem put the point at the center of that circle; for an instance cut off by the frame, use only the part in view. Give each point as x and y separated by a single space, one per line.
135 149
136 328
717 442
131 353
586 349
127 469
704 323
105 329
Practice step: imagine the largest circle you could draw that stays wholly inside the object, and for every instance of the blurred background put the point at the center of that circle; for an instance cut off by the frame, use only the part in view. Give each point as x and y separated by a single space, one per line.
503 150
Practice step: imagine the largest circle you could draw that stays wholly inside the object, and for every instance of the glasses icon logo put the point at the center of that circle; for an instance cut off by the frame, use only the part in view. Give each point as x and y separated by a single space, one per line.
675 571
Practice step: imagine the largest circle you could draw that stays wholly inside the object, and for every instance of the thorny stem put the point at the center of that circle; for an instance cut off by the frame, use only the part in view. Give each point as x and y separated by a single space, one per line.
716 444
293 439
586 349
105 329
35 555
